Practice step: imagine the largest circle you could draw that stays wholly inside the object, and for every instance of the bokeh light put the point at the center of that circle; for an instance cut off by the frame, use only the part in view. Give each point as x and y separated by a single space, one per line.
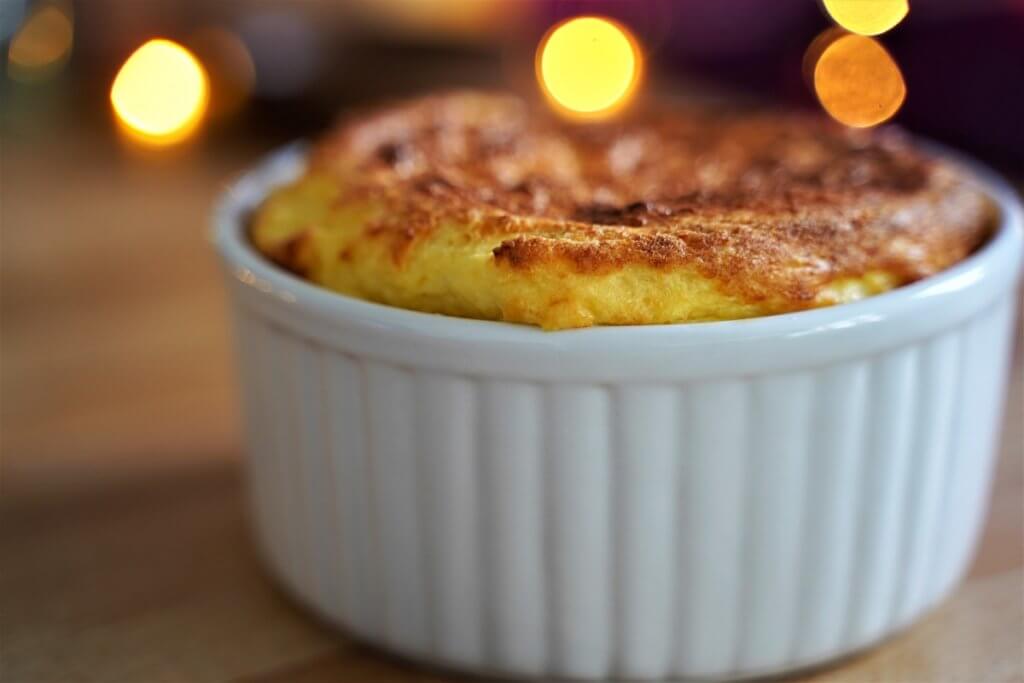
42 45
589 66
229 68
440 18
160 95
288 50
856 80
867 17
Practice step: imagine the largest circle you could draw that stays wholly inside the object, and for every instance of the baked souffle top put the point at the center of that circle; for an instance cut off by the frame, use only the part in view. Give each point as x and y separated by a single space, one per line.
479 205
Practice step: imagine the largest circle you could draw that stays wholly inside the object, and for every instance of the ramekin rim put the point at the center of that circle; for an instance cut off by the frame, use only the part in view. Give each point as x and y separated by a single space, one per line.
994 260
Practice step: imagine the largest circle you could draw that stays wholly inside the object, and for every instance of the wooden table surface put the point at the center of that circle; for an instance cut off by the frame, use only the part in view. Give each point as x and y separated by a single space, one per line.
125 550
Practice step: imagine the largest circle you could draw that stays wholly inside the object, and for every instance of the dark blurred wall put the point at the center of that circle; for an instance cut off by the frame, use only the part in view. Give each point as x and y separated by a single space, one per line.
963 60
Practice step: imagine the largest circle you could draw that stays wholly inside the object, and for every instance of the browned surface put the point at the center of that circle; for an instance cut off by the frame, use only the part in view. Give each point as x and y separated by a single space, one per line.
125 553
771 207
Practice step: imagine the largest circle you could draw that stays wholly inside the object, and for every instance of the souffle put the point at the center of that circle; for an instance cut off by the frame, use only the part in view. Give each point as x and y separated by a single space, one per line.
483 206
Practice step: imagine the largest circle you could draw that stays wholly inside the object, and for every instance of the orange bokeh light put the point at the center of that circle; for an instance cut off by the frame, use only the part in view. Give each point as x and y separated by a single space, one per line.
43 43
161 93
589 67
867 17
856 80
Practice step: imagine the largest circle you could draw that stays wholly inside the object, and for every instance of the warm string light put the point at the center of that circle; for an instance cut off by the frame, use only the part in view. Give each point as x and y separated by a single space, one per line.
43 43
589 67
854 77
451 17
867 17
856 80
160 95
229 68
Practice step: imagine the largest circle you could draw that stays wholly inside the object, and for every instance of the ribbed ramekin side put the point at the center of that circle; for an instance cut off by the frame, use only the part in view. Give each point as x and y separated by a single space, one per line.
268 490
512 525
258 442
737 526
895 462
987 344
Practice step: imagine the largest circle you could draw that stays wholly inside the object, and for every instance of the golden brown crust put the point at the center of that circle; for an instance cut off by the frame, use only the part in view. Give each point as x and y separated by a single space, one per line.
766 204
769 207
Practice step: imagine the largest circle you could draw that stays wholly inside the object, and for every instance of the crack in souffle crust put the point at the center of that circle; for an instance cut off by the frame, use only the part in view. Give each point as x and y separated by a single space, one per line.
480 205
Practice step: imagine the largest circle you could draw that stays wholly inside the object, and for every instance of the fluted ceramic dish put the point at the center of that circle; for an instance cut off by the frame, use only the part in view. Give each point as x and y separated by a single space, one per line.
704 500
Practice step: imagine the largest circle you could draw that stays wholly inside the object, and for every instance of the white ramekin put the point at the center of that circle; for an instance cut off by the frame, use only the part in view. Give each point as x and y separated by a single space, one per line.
712 500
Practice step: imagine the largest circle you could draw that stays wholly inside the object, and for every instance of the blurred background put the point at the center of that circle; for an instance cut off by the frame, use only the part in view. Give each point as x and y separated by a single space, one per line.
120 123
280 70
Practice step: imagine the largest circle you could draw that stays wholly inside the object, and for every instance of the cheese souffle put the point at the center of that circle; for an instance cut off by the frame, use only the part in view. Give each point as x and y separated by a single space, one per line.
478 205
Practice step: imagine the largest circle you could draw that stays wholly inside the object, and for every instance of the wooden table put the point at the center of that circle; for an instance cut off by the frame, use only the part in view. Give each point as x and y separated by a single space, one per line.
126 554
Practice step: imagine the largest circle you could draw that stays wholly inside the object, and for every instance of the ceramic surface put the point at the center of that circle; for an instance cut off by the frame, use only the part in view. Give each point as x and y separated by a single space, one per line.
710 500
